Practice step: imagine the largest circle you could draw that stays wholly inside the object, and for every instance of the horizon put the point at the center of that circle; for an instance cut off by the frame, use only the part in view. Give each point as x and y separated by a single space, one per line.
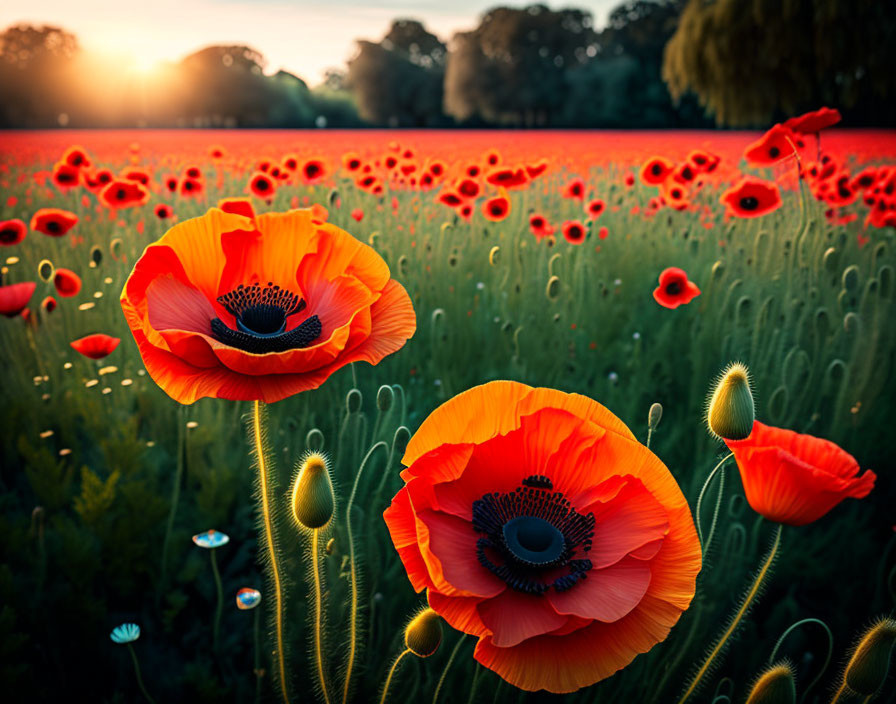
327 39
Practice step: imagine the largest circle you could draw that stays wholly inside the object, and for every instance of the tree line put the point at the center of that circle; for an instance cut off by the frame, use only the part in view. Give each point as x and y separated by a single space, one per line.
656 64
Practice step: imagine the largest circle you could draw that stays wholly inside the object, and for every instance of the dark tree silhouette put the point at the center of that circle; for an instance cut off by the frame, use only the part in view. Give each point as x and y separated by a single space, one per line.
752 62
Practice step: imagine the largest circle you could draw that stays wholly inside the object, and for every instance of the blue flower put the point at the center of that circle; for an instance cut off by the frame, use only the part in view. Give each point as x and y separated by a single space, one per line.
247 598
211 539
125 633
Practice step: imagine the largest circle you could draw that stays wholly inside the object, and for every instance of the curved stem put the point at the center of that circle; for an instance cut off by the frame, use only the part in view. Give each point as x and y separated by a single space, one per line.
217 628
139 677
706 484
435 696
474 684
738 616
392 672
353 570
839 692
827 659
273 560
318 615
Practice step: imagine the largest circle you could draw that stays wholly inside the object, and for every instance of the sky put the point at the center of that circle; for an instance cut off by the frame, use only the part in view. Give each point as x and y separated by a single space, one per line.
304 37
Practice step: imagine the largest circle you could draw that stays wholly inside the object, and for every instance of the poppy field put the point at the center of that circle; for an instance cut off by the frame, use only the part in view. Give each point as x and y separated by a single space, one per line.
431 416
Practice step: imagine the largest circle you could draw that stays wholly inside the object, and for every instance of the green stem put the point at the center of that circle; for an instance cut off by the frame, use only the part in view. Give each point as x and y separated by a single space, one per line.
139 676
738 616
318 615
435 696
353 569
474 684
257 670
699 508
391 673
220 606
175 495
827 660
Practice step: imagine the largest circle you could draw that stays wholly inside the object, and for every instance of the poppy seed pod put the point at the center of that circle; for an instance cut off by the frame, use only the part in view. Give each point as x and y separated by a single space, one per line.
731 411
312 493
775 685
424 633
868 666
654 416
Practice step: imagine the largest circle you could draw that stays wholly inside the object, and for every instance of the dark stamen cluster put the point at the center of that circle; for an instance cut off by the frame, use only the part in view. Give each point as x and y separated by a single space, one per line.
529 531
244 297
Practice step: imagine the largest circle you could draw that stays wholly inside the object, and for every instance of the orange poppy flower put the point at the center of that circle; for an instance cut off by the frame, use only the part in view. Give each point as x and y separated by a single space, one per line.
14 298
574 232
260 308
796 479
12 232
656 170
53 221
813 122
496 208
261 185
675 289
96 346
540 525
124 194
770 148
751 197
67 283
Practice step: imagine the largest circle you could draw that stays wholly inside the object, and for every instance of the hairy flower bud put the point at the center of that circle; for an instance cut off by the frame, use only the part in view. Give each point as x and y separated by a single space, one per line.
312 493
867 668
775 685
731 412
424 633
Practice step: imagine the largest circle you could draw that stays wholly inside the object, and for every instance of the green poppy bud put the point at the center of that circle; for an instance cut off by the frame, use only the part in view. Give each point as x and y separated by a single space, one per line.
384 398
775 685
312 493
731 412
314 440
867 668
654 416
353 401
424 633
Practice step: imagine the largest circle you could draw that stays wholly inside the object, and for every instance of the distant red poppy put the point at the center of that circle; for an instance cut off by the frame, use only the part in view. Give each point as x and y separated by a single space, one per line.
96 346
796 479
540 226
97 180
508 177
237 206
751 197
684 173
595 208
12 232
357 214
313 171
77 157
191 187
67 283
473 170
261 185
703 161
675 289
390 162
449 198
124 194
14 298
351 161
163 211
655 170
537 169
813 122
573 231
864 179
171 183
496 208
48 304
575 189
366 183
770 148
193 172
675 195
602 233
629 180
53 221
437 168
216 152
468 188
66 176
493 157
138 175
466 211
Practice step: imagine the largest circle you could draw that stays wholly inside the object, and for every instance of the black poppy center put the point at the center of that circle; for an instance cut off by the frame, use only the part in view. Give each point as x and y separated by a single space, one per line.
749 203
673 288
54 226
261 314
774 152
261 185
656 169
532 538
8 235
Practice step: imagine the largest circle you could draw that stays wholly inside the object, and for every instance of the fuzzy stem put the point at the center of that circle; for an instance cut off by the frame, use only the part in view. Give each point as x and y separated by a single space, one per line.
273 560
435 696
698 510
318 616
827 661
839 692
353 570
175 494
392 672
220 606
735 622
139 676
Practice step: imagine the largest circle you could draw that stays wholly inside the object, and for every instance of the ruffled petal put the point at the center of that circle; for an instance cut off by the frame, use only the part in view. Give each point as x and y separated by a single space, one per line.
515 616
605 594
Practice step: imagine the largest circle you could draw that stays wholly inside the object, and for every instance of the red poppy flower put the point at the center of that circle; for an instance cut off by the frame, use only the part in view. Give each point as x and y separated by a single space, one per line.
595 208
137 175
473 170
313 171
171 183
675 195
449 198
12 232
864 179
539 524
675 289
77 157
540 226
351 161
629 180
48 304
232 307
492 157
163 211
124 194
496 208
466 212
770 148
66 176
536 169
796 479
67 283
684 173
655 170
238 206
98 180
468 188
193 172
357 215
14 298
53 222
702 161
261 186
508 177
813 122
191 187
750 198
574 232
216 152
436 167
96 346
575 189
290 162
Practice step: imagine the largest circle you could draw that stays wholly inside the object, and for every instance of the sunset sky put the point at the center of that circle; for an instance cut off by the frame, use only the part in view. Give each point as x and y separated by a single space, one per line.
304 37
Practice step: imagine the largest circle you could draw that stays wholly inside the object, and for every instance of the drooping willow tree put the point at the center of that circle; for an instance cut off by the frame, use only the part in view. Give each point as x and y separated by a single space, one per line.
750 61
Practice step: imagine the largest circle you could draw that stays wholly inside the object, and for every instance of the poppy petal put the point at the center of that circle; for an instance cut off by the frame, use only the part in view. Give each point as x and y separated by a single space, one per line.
605 594
514 616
